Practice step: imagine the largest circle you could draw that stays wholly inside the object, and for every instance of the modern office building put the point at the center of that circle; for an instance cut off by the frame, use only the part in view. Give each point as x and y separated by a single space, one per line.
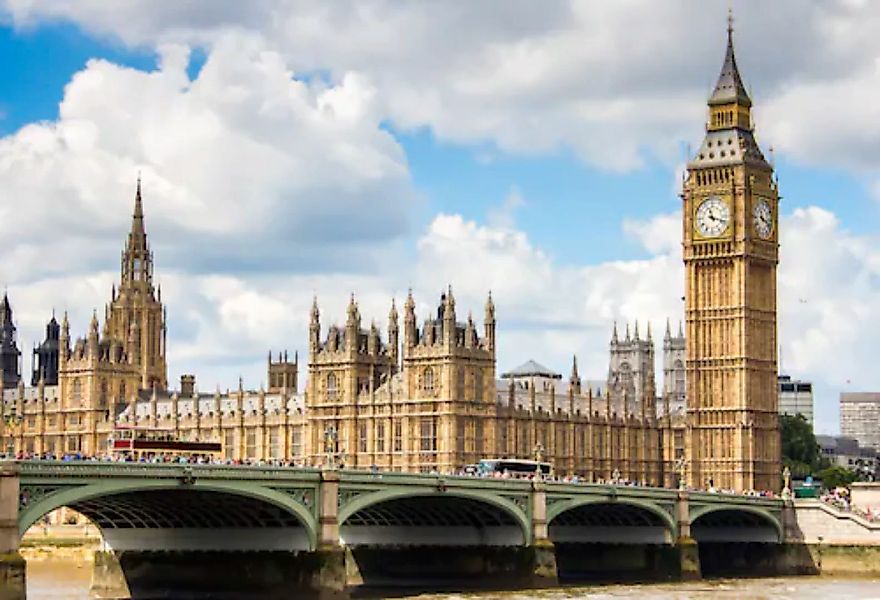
796 398
847 453
860 417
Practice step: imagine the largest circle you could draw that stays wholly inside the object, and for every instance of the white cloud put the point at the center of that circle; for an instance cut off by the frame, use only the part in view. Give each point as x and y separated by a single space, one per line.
617 83
255 168
263 188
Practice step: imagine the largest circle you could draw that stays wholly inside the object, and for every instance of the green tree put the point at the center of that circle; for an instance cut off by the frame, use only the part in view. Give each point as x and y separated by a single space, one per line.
833 477
800 451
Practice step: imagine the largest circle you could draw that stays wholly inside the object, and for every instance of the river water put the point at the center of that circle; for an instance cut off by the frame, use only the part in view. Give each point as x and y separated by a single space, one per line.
68 579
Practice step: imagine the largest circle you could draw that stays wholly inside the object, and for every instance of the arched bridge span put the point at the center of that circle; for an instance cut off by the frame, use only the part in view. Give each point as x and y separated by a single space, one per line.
417 518
610 522
733 524
180 512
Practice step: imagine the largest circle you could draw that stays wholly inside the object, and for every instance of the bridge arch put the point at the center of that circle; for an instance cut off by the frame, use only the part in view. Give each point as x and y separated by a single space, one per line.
432 517
603 520
735 524
201 514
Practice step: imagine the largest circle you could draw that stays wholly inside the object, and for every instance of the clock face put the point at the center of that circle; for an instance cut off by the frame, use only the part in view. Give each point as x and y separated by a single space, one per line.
713 217
762 216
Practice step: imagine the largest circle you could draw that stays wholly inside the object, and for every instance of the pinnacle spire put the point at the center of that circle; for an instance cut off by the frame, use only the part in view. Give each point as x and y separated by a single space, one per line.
730 88
5 310
574 368
668 334
137 218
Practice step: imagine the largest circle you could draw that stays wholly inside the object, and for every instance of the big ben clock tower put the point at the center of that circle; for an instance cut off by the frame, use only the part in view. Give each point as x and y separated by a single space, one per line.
731 249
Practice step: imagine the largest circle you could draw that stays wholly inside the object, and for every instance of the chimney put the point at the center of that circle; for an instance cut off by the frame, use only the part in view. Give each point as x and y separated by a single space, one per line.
187 386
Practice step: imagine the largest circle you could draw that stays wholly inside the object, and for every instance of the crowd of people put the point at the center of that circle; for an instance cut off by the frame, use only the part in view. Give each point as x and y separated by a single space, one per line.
209 459
841 499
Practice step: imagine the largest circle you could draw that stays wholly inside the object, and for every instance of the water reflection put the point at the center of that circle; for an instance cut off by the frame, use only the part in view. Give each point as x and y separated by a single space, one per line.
69 578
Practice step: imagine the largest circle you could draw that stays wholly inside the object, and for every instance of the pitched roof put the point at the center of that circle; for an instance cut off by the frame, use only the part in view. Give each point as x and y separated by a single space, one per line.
530 368
730 87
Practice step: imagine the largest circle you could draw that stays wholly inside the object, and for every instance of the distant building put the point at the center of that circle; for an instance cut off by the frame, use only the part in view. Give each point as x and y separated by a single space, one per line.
10 372
847 453
860 417
674 371
46 356
631 383
795 398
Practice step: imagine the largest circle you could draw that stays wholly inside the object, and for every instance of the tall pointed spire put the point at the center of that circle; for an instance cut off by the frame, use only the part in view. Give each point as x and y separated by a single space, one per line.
5 310
730 88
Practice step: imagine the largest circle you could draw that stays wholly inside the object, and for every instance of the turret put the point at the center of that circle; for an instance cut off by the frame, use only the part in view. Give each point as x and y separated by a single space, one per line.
92 340
470 333
614 339
373 340
352 326
10 355
449 318
393 335
575 379
64 342
489 324
315 328
410 334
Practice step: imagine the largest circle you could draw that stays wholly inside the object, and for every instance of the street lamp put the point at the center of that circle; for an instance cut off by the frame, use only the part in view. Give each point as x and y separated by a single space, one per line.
681 469
11 421
331 440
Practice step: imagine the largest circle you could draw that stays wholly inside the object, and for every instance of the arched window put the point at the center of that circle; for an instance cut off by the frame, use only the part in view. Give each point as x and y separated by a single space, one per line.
122 392
332 389
76 392
679 377
478 385
102 393
428 380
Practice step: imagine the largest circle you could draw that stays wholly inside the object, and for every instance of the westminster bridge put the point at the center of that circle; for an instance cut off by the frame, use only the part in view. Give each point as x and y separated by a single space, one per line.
176 528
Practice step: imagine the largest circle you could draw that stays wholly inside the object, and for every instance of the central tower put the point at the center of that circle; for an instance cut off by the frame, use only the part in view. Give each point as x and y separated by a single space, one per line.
135 316
731 247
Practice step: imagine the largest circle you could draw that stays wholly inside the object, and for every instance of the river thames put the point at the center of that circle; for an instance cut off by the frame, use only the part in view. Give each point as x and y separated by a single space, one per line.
68 579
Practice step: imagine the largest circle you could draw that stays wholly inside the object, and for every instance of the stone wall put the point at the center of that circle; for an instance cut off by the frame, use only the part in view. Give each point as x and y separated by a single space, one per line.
819 523
866 494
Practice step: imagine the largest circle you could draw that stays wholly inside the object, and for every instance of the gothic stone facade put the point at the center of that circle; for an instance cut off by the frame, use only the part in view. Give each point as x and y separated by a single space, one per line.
429 399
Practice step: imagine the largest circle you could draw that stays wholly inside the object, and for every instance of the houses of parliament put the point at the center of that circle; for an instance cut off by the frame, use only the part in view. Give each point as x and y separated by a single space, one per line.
425 394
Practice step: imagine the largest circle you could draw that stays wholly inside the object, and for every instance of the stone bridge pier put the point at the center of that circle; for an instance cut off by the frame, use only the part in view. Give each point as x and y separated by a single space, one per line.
12 566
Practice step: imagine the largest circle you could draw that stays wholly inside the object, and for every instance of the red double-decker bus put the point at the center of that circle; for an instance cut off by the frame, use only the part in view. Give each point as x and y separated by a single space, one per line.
130 439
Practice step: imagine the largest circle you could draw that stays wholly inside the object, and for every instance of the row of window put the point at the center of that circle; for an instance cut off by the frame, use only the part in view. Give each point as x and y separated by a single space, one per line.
429 383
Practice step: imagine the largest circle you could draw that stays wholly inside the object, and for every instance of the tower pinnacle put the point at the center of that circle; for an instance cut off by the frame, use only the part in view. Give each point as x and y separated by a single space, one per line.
730 88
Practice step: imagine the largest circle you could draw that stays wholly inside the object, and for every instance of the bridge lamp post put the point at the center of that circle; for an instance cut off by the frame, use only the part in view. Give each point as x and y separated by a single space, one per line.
681 469
539 458
11 421
331 442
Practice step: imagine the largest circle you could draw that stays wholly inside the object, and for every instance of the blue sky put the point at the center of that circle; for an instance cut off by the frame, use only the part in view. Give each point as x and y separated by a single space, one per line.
257 198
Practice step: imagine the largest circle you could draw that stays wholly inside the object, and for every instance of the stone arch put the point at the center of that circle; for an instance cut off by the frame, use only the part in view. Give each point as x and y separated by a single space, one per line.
504 522
98 499
724 519
610 520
